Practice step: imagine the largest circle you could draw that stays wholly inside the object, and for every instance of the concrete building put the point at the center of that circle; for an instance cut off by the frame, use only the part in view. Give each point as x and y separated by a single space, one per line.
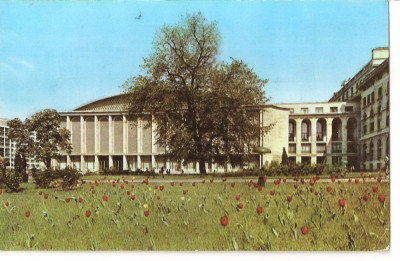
103 136
370 88
7 148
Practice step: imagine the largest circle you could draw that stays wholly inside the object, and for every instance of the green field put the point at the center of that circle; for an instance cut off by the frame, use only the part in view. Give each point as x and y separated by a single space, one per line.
192 221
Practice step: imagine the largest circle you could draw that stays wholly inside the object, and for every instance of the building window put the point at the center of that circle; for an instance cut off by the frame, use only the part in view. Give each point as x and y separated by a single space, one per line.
348 108
305 130
379 92
336 160
319 109
321 129
337 147
387 87
387 146
379 149
365 101
371 126
372 96
292 129
334 109
305 148
336 129
378 123
371 151
321 148
387 120
304 110
292 148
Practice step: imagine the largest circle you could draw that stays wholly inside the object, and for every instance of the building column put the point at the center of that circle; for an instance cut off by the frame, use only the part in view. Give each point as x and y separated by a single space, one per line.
298 139
96 135
125 165
153 135
139 135
96 163
110 135
69 124
153 162
313 141
83 135
329 140
139 162
124 134
69 165
83 164
110 162
344 138
197 167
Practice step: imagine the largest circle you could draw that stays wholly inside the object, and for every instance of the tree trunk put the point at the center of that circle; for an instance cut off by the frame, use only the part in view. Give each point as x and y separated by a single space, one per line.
202 166
47 162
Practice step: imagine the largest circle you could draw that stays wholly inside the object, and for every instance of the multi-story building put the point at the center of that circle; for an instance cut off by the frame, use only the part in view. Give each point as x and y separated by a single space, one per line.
7 148
370 88
103 136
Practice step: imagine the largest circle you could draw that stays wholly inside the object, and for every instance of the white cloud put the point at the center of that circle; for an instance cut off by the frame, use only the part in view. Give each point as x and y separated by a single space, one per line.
9 68
23 62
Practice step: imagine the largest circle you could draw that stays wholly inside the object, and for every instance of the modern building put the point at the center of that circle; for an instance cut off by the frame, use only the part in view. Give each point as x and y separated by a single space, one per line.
103 136
7 148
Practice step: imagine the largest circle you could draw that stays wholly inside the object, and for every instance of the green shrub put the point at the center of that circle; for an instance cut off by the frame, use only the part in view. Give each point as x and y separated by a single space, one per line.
68 176
11 180
43 178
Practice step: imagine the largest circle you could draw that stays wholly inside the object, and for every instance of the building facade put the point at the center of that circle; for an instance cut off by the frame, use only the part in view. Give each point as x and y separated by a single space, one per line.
7 148
103 136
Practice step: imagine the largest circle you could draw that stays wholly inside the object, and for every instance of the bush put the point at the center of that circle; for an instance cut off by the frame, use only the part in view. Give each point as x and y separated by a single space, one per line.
11 180
68 176
43 178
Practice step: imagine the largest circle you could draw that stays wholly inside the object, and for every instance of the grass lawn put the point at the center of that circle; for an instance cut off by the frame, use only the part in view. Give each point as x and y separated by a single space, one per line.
192 221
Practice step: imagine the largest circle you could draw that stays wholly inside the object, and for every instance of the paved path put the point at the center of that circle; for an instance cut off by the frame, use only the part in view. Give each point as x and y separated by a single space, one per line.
229 180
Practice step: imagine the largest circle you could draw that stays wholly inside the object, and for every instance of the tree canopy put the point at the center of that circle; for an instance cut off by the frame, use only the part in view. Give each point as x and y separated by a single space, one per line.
50 138
204 110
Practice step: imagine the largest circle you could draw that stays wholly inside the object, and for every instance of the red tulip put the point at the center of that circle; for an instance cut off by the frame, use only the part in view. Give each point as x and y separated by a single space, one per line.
132 186
339 182
329 189
155 187
6 204
203 181
46 196
312 182
350 180
172 184
114 184
121 187
272 192
161 188
249 185
193 184
304 230
40 193
80 200
311 189
259 210
184 192
87 213
366 197
316 193
180 184
224 221
356 181
66 189
92 191
233 184
237 197
284 180
240 205
27 214
128 193
381 198
289 198
158 197
133 197
211 180
255 185
379 179
146 213
105 198
223 180
66 200
375 189
333 179
295 186
260 188
302 181
362 174
342 203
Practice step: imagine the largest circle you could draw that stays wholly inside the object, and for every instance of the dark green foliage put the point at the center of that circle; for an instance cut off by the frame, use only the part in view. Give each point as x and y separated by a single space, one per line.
68 176
43 178
285 159
20 167
12 181
202 108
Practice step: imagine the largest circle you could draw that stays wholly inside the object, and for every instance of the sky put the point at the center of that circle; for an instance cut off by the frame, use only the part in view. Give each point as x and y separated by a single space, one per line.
61 55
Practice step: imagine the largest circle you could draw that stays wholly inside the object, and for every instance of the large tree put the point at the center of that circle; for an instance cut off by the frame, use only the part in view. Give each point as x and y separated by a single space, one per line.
50 138
204 110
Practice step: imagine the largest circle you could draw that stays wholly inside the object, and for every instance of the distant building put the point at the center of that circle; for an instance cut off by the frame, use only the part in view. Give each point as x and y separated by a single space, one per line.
353 127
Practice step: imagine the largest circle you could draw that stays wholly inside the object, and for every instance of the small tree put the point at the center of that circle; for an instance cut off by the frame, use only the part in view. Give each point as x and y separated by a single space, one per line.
50 138
285 159
19 133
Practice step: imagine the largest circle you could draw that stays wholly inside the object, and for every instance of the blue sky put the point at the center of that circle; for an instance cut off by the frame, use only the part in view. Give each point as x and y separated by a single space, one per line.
63 54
